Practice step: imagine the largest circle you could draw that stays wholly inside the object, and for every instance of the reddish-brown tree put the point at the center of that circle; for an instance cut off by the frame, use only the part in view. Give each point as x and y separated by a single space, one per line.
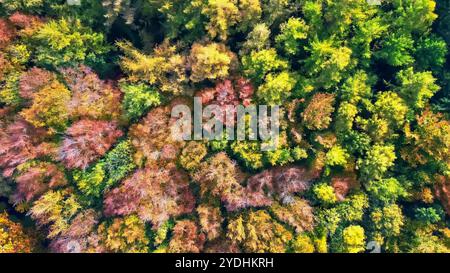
35 179
186 237
86 141
33 80
152 138
7 33
154 195
92 97
442 192
19 142
343 183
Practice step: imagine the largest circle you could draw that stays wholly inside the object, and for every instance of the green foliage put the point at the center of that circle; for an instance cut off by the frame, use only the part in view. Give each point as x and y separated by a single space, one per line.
396 50
388 220
431 53
276 89
109 171
118 162
138 99
325 194
292 32
363 152
327 63
91 183
66 42
302 244
259 63
377 162
429 215
336 156
9 90
416 88
386 191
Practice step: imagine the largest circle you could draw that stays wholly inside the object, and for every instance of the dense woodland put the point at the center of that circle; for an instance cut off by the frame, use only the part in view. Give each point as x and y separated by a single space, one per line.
88 163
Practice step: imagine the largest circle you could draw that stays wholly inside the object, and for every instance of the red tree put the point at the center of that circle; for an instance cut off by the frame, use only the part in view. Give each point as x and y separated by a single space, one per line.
153 194
86 141
19 142
33 80
36 179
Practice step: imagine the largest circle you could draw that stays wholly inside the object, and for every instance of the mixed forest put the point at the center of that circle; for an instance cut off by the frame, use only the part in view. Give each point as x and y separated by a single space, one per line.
88 163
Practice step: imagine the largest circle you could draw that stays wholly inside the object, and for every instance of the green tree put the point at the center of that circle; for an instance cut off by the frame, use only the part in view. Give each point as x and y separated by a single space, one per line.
292 33
416 88
377 162
67 42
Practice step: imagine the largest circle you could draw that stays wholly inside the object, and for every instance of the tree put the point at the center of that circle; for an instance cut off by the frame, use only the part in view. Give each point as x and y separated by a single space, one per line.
154 195
397 49
186 238
337 156
118 163
292 33
258 232
33 80
303 244
9 90
35 178
218 176
353 239
210 220
430 141
49 108
390 107
276 88
55 209
13 238
344 183
429 216
431 53
416 88
125 234
377 162
353 207
7 33
192 155
86 141
259 63
325 194
67 42
92 98
90 182
327 63
414 16
138 99
211 61
222 15
297 214
386 191
164 68
20 142
81 236
388 220
257 40
152 138
317 115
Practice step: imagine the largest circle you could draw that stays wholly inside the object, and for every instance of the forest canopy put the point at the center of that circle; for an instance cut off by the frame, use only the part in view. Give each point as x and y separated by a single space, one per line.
88 162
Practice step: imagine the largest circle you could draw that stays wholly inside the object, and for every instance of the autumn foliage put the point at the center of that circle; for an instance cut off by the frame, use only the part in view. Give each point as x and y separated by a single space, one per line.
92 159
